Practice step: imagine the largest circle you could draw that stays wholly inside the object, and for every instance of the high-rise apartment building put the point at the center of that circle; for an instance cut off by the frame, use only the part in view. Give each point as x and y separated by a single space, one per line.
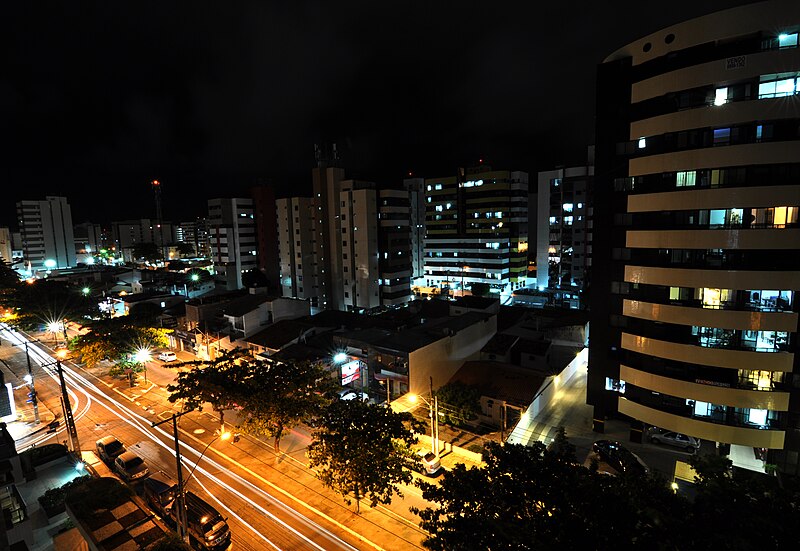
266 233
232 236
88 241
358 263
696 246
326 188
297 249
129 233
416 197
476 225
564 220
46 232
195 233
395 237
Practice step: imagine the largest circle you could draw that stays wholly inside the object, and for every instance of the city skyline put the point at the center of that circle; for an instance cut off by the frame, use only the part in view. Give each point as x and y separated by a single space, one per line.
103 99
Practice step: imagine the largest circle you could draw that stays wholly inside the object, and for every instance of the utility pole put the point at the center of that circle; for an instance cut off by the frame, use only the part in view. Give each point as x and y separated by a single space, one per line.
32 387
72 430
183 527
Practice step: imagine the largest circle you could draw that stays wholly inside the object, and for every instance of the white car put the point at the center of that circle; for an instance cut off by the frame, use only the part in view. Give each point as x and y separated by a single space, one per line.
350 394
167 357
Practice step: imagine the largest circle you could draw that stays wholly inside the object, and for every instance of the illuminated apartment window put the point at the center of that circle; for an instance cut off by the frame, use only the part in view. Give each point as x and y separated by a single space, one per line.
553 220
722 136
778 85
721 96
787 40
568 220
438 187
642 143
568 207
685 179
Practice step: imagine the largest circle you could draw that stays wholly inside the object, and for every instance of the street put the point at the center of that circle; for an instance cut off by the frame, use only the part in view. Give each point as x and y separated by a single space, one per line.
271 501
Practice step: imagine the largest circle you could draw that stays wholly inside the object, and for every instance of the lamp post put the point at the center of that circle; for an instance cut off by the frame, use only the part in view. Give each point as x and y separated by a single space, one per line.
433 409
144 355
181 520
224 435
31 386
54 327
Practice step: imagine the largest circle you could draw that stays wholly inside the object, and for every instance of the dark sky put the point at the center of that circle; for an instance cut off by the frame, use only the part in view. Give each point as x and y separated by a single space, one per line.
97 99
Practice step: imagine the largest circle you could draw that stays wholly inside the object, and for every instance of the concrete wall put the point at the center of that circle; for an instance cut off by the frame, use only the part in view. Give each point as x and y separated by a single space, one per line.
444 357
289 309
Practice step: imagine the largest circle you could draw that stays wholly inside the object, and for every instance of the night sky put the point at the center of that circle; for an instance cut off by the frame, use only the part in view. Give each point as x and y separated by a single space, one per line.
97 99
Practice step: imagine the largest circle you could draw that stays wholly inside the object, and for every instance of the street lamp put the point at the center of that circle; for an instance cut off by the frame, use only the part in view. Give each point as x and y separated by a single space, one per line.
434 415
54 327
224 436
182 521
142 356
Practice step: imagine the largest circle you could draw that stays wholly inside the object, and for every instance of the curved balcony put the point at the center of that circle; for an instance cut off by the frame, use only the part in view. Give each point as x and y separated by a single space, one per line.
743 436
715 357
714 198
727 319
735 397
722 279
713 239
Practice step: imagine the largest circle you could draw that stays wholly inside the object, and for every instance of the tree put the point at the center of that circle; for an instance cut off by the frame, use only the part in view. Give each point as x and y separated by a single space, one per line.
185 249
280 396
459 402
480 289
147 251
117 340
45 301
144 313
219 382
362 450
531 498
9 278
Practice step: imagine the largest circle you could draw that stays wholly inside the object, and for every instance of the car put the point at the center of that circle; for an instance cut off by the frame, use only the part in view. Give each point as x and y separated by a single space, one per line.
167 357
109 448
351 394
619 458
688 443
427 463
130 467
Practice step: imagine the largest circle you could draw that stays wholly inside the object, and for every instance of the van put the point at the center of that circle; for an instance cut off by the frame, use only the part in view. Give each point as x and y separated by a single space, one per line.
208 529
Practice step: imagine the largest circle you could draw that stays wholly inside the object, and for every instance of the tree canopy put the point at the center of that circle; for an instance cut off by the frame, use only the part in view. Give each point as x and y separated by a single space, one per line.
117 340
279 396
537 498
459 402
147 251
362 450
44 301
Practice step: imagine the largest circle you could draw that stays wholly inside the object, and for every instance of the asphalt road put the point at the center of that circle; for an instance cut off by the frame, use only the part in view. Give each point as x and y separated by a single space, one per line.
272 501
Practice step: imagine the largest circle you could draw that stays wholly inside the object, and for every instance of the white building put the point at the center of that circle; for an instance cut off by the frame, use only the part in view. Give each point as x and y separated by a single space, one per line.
46 231
232 237
296 249
416 198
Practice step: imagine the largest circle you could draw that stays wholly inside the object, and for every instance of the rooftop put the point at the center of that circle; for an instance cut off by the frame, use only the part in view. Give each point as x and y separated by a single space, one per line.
501 381
243 305
279 334
475 302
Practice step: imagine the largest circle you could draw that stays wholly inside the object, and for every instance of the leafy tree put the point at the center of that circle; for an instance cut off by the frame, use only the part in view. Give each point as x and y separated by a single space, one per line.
361 450
9 278
117 340
531 498
219 382
459 402
480 289
44 301
144 313
185 249
280 396
147 251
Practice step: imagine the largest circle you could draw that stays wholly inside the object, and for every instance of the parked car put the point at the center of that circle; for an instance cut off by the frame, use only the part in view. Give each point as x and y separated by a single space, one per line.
167 357
351 394
427 463
109 448
130 467
619 458
688 443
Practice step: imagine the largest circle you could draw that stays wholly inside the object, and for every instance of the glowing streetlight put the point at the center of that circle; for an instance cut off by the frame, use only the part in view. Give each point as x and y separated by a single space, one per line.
142 356
195 277
86 291
433 408
339 357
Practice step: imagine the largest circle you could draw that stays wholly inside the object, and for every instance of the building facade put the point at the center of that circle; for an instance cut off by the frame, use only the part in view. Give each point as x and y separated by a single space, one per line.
395 237
267 233
416 198
195 233
694 308
476 230
232 237
564 220
46 231
326 188
297 249
129 233
358 261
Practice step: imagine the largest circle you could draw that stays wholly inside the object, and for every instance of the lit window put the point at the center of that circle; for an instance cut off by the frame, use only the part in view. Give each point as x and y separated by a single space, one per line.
429 199
439 208
778 85
438 186
757 416
568 220
615 385
568 207
787 40
580 205
721 96
553 220
759 131
498 214
722 135
449 205
642 143
429 188
684 179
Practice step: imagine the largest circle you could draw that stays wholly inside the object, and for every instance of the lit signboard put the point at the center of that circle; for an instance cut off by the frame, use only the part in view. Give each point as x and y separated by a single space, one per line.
351 371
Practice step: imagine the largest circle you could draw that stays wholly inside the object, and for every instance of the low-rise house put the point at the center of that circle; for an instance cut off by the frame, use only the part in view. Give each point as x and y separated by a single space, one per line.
249 314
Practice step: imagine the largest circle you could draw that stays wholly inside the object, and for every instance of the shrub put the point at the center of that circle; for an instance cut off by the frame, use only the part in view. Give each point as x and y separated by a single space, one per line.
52 501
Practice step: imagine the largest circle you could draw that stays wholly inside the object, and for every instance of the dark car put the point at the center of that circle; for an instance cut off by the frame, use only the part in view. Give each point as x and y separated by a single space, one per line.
688 443
619 458
131 467
109 448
